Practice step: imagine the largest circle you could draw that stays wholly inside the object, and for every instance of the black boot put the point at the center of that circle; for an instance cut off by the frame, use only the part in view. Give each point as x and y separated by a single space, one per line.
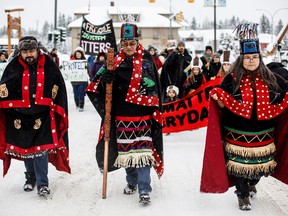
30 181
76 103
81 106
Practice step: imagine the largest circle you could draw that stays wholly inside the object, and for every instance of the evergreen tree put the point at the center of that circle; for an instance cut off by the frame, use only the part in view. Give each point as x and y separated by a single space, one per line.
45 29
61 20
226 42
221 25
278 27
3 31
264 24
193 24
68 21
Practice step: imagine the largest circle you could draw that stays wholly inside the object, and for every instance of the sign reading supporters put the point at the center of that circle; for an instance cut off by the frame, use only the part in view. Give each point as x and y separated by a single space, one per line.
74 70
190 112
97 38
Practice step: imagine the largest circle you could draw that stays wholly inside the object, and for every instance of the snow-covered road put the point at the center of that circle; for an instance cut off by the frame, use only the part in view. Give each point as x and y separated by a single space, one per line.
176 193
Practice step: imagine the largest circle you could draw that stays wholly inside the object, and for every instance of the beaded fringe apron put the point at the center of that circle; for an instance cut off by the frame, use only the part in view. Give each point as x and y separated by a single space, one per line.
249 154
134 141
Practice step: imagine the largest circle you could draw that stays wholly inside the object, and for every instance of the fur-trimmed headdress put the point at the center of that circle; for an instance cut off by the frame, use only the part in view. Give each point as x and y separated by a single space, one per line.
173 87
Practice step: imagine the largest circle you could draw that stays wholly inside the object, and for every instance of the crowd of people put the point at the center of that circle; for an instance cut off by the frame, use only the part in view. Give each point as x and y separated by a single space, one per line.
247 127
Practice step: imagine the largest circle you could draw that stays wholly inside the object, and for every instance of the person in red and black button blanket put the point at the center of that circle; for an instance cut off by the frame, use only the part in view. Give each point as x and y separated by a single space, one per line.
136 133
34 115
248 122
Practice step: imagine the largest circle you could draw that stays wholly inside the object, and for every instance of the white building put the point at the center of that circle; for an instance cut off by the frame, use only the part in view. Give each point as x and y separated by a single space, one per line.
196 40
153 23
4 43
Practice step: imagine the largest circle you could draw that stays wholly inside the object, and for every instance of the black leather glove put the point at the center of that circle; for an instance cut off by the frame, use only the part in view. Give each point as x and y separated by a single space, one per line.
108 76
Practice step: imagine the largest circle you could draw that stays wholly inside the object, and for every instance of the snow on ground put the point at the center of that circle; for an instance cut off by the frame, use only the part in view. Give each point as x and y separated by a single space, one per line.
176 193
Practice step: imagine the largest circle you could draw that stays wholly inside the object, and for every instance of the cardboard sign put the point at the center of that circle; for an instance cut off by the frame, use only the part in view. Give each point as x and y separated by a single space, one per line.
74 70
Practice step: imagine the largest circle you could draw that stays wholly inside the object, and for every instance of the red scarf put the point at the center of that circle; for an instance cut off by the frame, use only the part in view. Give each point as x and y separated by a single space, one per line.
243 108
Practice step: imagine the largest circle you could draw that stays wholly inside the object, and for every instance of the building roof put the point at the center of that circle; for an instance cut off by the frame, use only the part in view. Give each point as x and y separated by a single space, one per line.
149 16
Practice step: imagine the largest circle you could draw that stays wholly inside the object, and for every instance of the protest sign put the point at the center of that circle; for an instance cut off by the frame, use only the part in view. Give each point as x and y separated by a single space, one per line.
2 68
190 112
97 38
74 70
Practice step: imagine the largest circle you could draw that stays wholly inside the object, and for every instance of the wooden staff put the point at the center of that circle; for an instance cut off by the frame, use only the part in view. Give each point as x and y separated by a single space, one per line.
280 37
107 121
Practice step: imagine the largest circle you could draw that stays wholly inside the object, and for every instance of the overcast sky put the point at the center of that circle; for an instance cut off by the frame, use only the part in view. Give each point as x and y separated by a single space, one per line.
36 11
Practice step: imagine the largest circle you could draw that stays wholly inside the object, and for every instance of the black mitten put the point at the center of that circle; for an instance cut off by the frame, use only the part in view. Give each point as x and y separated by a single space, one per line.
108 76
187 86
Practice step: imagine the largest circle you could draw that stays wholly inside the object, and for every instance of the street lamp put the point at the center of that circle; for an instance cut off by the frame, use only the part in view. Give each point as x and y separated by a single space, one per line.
272 19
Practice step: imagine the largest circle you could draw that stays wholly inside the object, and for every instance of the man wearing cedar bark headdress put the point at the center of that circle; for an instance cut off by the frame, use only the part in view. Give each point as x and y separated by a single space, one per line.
136 134
248 113
34 115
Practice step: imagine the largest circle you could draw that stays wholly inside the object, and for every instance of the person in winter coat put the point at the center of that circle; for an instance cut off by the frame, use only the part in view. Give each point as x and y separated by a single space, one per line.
173 69
2 57
172 94
99 62
205 59
54 56
247 135
214 66
196 77
156 59
79 87
226 64
33 115
207 56
136 134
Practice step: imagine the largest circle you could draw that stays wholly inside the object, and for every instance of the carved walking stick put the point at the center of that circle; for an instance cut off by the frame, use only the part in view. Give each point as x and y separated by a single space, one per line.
107 121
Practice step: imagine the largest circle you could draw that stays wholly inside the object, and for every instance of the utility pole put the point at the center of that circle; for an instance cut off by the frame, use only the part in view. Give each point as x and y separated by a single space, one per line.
13 23
55 23
215 27
170 36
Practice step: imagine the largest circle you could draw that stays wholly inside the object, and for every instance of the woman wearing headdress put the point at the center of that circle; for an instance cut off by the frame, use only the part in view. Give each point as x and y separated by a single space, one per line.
247 129
226 64
196 77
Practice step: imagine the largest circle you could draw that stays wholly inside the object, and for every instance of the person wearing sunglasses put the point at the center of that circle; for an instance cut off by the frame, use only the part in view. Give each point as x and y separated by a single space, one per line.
247 129
136 135
33 115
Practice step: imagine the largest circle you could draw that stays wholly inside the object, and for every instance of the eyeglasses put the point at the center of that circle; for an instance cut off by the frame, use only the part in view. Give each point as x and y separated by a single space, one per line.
129 43
248 58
